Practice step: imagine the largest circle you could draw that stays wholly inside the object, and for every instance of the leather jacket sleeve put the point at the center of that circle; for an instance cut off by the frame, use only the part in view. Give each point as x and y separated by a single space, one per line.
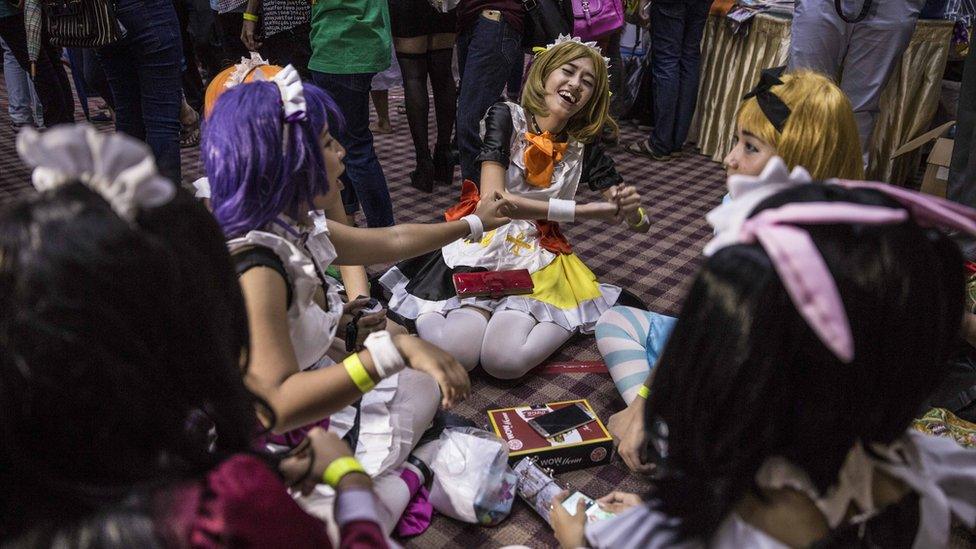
496 144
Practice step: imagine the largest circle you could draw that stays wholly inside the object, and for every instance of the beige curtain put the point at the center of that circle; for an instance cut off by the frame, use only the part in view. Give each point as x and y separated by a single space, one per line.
731 66
909 102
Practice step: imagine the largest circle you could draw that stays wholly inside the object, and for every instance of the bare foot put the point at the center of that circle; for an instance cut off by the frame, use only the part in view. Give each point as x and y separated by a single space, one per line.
381 126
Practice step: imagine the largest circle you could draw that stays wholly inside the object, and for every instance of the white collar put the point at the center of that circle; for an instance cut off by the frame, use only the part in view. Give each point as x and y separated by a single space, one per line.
746 193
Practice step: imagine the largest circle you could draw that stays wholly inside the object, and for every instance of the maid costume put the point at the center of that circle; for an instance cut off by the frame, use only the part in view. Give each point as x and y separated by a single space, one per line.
537 166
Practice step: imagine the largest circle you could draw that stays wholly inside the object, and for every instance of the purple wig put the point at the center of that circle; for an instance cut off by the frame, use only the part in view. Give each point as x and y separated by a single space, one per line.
253 176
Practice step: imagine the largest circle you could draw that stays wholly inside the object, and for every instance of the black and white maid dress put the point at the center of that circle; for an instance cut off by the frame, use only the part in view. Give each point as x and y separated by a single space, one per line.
540 167
389 418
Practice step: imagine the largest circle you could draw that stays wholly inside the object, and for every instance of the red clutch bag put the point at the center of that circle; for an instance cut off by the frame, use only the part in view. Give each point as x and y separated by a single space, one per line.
493 284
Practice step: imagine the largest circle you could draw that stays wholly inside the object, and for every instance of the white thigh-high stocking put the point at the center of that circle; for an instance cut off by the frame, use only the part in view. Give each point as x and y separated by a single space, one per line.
459 333
415 404
515 343
393 494
412 410
418 397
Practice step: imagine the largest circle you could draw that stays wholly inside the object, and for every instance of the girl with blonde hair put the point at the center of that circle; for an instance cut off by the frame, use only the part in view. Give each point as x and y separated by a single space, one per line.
536 155
798 125
809 123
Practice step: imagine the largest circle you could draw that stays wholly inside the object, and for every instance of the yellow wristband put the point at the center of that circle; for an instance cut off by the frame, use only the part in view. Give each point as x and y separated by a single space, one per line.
643 392
340 468
643 218
250 17
357 372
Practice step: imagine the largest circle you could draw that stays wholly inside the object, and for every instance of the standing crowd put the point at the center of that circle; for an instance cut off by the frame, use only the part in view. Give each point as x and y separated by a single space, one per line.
215 367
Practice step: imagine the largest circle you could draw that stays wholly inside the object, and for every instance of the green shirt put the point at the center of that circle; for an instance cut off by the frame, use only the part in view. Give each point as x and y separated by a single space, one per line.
350 36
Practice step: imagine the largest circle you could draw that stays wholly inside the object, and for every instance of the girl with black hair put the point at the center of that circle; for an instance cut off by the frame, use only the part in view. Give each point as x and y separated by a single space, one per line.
122 341
779 408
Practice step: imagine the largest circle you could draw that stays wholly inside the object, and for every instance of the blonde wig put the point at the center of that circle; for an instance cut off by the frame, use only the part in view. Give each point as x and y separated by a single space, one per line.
820 134
590 120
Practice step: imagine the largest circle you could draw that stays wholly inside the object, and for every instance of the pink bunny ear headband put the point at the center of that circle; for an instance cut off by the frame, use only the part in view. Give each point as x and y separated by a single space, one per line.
801 267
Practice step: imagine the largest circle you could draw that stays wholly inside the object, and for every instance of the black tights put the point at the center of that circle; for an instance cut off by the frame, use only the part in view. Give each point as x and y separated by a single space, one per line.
415 68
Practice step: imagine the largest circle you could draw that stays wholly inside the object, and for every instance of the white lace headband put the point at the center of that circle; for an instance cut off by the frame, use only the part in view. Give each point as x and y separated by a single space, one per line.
565 38
118 167
292 92
288 80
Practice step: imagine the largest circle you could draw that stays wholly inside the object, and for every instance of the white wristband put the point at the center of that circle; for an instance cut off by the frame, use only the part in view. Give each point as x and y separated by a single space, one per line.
562 210
387 359
476 227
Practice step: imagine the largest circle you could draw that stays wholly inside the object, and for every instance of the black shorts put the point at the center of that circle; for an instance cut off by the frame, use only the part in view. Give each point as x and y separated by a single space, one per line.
412 18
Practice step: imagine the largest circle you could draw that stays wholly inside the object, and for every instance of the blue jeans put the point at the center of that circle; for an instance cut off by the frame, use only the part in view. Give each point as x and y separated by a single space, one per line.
364 181
676 34
24 106
487 50
50 81
143 72
513 88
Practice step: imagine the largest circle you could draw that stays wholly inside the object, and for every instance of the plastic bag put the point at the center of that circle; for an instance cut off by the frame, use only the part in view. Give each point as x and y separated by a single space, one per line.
472 481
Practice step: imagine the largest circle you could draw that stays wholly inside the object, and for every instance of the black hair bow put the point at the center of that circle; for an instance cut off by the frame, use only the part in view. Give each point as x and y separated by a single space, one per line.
772 106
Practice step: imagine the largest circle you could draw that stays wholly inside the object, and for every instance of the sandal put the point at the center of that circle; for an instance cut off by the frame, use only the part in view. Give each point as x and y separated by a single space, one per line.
190 136
190 133
642 148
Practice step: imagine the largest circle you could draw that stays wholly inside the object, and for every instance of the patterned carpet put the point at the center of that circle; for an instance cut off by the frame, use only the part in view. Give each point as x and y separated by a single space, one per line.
657 267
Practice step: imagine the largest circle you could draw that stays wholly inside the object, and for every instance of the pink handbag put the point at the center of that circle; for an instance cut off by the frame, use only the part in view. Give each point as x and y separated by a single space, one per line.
594 19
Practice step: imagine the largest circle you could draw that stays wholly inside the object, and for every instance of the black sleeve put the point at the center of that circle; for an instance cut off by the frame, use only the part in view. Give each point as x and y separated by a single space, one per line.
260 256
598 168
496 145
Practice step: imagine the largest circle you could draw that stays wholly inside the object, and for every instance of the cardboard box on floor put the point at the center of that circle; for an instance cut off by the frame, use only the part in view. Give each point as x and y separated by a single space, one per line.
586 446
937 171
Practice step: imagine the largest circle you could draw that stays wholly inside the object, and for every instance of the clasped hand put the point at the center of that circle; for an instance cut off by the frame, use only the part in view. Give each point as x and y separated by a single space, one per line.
495 210
623 204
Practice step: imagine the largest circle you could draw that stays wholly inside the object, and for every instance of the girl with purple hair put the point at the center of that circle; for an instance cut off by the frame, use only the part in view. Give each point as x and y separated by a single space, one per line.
270 158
